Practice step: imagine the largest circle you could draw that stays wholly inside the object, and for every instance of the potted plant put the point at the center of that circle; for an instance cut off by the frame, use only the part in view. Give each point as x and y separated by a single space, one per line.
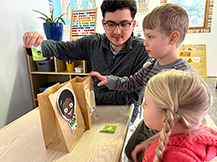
52 27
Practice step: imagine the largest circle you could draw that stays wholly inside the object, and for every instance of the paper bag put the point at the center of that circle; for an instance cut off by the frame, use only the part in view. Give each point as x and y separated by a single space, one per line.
48 119
68 115
83 88
57 133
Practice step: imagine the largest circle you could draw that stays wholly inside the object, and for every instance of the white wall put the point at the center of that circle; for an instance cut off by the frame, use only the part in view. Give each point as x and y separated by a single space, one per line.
15 92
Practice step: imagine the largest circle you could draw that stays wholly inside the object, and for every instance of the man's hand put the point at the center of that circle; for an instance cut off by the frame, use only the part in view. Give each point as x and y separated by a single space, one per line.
103 79
143 147
32 38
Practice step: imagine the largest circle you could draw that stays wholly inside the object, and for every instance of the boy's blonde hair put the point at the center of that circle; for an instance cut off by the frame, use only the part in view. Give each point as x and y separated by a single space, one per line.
183 97
168 18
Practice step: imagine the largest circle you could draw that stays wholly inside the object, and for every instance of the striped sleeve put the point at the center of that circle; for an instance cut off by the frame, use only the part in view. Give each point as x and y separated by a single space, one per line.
133 82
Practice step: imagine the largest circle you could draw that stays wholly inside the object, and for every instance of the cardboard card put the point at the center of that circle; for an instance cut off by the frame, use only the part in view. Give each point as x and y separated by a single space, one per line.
37 54
108 128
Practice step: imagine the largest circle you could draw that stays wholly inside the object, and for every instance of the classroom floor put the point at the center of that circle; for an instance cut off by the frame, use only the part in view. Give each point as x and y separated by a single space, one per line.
212 112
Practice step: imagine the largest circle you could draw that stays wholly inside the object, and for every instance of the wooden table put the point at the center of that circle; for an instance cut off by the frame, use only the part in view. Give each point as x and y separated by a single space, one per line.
22 140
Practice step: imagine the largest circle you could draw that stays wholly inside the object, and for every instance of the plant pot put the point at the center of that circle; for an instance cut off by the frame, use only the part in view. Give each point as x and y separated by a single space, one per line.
54 32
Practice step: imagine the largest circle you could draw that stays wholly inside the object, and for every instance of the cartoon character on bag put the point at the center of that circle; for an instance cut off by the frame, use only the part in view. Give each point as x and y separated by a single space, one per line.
67 105
89 95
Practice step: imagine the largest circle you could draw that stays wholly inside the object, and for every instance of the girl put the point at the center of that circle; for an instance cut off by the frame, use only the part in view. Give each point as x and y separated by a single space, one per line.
175 104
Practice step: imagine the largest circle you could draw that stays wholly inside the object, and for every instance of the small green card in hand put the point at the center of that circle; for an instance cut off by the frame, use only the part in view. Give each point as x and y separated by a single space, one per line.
37 53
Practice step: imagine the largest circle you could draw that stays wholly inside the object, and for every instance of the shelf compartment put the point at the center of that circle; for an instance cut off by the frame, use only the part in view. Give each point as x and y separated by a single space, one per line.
39 80
197 55
61 66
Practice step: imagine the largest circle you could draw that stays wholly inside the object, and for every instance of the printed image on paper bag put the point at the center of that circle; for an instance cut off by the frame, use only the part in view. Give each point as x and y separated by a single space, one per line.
89 95
67 105
83 88
63 124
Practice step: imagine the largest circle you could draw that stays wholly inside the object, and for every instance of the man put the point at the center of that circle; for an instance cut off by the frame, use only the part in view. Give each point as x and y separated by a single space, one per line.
116 52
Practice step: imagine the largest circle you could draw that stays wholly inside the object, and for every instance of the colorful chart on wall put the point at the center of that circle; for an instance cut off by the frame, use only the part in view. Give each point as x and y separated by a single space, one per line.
83 23
66 6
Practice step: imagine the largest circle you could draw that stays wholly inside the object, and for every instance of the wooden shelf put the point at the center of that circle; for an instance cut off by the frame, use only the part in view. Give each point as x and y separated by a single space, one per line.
195 54
60 74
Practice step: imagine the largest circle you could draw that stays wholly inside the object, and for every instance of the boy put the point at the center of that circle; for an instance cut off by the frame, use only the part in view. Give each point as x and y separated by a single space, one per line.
66 104
116 52
164 28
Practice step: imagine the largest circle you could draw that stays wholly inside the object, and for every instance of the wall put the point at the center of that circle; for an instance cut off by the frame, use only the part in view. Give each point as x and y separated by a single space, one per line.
15 91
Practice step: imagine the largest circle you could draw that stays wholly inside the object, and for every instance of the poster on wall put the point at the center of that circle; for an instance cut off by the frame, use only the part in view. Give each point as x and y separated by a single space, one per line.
142 7
83 23
65 7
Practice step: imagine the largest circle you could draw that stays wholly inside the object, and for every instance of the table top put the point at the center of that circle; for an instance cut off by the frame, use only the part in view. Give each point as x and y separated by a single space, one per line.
22 140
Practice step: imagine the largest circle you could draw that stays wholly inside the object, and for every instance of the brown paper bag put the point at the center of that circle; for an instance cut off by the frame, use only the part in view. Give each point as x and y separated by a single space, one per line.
83 88
47 116
56 131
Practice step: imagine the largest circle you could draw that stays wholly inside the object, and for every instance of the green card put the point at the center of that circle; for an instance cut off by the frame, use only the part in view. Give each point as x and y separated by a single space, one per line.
37 53
108 128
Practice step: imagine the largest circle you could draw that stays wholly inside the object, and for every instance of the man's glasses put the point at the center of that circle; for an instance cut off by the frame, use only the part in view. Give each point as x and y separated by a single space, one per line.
124 25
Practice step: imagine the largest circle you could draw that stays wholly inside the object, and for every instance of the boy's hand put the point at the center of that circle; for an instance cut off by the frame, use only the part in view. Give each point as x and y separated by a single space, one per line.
103 79
32 38
143 147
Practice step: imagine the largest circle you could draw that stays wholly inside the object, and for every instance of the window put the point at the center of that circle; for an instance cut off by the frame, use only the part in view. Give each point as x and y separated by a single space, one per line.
199 11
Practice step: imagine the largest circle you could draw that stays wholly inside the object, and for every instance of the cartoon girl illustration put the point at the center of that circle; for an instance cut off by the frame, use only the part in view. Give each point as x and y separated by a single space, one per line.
67 105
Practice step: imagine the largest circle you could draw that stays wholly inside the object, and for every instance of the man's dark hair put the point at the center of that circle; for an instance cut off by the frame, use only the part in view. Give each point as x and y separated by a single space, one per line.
113 5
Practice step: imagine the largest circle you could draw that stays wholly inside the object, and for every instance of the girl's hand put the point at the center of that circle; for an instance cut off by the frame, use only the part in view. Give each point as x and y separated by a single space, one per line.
103 79
143 147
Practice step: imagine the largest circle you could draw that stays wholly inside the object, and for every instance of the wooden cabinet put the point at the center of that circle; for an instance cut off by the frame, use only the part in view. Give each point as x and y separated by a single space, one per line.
60 74
195 54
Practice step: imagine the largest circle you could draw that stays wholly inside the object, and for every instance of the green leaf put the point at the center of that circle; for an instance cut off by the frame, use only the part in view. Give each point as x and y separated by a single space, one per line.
56 19
42 18
51 18
47 22
41 13
61 15
62 20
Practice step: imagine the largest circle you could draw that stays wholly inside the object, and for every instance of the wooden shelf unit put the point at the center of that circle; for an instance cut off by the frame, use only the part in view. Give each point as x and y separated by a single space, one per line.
60 74
195 52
